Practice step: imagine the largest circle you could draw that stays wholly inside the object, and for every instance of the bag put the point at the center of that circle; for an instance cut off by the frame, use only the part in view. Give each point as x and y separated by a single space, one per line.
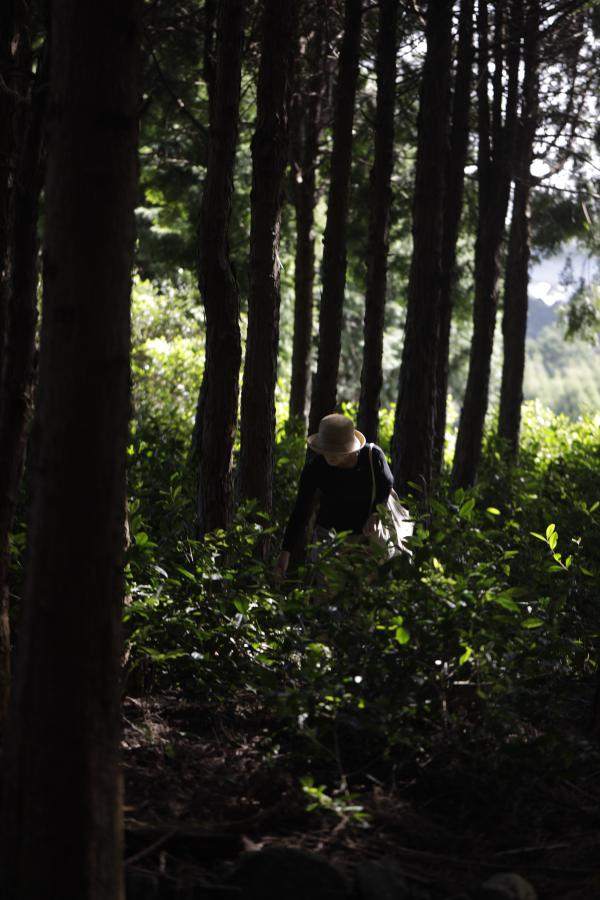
394 525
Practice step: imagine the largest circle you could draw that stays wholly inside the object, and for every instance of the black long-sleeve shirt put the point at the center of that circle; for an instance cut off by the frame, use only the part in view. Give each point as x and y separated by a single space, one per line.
345 494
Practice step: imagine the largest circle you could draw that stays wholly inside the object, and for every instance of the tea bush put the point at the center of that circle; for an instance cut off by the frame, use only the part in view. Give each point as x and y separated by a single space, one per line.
499 596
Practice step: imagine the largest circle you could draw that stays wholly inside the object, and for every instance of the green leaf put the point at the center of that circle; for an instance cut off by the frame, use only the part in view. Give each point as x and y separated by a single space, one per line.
467 508
550 530
540 537
465 656
493 511
506 602
553 540
402 635
532 623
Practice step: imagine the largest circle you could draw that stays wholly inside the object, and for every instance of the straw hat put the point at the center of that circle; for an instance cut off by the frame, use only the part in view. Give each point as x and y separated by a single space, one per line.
336 435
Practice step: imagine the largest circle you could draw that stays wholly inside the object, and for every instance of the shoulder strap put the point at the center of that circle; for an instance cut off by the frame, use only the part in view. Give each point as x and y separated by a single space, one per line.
372 477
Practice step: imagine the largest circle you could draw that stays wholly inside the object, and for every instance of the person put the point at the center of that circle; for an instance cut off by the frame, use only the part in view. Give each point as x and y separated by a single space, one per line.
340 474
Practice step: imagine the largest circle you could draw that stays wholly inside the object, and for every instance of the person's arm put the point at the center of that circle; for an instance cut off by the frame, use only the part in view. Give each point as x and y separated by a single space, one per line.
299 516
384 480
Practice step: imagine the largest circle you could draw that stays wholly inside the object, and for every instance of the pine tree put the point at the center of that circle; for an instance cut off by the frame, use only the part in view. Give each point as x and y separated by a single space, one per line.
514 319
496 129
371 379
62 826
453 203
324 390
270 154
216 416
412 442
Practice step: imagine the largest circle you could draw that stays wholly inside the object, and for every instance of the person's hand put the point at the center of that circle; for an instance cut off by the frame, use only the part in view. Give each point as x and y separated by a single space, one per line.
371 524
281 566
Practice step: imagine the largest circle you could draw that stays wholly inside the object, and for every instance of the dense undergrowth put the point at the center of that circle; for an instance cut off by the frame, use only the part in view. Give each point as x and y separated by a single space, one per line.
361 663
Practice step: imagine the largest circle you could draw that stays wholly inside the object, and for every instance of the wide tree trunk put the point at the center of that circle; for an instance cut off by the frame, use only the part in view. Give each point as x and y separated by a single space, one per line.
216 417
305 130
17 382
412 442
8 96
324 389
270 154
514 319
371 378
455 177
62 808
495 155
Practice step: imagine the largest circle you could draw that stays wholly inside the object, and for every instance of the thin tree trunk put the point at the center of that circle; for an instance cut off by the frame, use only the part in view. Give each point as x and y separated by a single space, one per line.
270 154
514 319
17 383
494 165
412 442
371 379
455 176
324 389
216 416
305 130
62 818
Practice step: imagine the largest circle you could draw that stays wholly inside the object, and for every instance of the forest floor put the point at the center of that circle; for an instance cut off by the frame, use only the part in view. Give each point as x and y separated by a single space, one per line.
204 785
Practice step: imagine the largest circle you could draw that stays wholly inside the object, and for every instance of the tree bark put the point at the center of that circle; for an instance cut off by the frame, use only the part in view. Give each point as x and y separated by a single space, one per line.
324 390
17 382
7 160
495 156
305 130
371 379
412 442
514 319
216 417
455 177
270 154
62 809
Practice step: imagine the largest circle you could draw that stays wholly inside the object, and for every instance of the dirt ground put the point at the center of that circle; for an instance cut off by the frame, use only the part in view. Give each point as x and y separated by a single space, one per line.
203 786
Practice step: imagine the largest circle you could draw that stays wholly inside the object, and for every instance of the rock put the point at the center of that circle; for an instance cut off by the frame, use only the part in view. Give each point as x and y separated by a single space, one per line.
280 873
506 886
384 880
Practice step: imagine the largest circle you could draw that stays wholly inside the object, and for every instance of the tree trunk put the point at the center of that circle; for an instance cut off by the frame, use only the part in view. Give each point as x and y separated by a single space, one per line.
412 442
455 176
7 164
7 160
270 154
62 808
305 130
209 58
216 416
495 156
324 390
17 384
371 378
514 319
